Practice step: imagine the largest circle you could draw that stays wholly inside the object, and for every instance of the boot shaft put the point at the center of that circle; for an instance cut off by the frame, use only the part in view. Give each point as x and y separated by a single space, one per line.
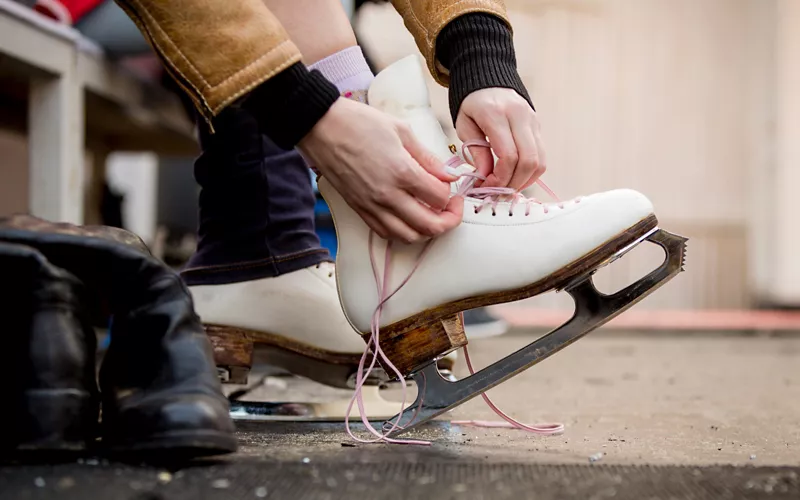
52 343
48 356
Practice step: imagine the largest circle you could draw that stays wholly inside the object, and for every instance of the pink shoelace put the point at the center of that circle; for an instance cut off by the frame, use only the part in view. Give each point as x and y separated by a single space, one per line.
490 196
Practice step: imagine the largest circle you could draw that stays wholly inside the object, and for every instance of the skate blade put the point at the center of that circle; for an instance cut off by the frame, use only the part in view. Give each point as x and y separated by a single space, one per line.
435 395
376 407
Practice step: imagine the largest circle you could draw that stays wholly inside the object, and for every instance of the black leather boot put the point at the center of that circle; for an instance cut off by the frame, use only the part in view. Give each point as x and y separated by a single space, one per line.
160 390
158 379
49 385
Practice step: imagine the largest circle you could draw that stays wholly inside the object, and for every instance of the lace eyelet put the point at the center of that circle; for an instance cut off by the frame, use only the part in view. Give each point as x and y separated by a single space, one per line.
494 214
476 210
510 214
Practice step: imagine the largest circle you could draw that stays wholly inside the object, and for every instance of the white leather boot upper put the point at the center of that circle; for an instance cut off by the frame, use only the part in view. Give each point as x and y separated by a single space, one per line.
492 250
302 306
400 91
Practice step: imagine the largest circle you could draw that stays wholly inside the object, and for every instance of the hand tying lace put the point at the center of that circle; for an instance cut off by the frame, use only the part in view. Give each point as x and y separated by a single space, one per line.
489 196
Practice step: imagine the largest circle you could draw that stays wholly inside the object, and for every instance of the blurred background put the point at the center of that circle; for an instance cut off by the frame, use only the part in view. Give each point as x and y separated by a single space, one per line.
694 103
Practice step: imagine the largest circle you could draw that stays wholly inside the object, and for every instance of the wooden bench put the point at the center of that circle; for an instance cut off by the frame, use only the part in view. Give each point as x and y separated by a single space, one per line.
57 87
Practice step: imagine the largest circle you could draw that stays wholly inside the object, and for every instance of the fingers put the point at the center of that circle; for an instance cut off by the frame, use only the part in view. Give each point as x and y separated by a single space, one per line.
542 158
373 223
498 130
512 128
528 163
431 183
400 214
418 206
398 188
453 213
424 187
468 130
377 209
397 228
426 222
424 157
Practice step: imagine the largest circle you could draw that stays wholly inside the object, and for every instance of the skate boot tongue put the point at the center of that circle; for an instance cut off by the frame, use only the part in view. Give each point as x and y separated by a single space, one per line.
400 91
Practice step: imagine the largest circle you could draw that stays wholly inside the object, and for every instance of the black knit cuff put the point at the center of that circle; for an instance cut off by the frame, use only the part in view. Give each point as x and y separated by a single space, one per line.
478 50
289 104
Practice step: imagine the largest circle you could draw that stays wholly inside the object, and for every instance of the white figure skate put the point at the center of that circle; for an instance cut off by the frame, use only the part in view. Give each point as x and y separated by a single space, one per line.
503 251
294 323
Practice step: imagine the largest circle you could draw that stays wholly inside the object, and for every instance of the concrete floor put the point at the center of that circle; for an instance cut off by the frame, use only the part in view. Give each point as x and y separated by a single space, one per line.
694 399
650 404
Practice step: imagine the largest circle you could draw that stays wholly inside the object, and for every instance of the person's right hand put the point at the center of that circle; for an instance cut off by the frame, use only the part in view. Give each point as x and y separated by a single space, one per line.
393 182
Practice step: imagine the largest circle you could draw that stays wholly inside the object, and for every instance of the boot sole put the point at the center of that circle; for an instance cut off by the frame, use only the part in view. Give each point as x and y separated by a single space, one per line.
66 421
177 445
413 342
235 348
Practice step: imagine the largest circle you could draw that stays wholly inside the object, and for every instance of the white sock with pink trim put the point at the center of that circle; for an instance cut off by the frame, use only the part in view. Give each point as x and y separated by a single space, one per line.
348 70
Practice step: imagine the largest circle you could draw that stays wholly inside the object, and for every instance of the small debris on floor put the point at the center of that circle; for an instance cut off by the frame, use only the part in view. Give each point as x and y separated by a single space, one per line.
164 477
348 445
39 482
425 479
306 460
93 461
275 383
752 457
65 483
596 457
261 492
221 484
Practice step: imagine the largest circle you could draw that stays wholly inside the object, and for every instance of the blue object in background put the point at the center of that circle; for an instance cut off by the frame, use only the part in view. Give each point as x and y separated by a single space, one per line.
328 239
323 221
104 339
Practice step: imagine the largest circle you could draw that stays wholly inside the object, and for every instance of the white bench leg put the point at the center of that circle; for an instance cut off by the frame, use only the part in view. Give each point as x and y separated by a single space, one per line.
56 143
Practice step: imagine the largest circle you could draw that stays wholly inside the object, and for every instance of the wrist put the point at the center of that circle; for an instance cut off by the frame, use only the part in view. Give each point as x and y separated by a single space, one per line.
289 104
478 51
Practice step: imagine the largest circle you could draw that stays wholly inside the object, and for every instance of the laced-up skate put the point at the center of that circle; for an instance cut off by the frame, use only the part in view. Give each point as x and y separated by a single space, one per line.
405 300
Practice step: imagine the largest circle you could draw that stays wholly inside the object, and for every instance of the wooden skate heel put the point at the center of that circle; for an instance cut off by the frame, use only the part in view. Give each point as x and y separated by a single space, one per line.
233 353
411 344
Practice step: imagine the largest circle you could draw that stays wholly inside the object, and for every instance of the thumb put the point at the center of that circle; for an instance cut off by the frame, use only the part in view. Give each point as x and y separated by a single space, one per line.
422 155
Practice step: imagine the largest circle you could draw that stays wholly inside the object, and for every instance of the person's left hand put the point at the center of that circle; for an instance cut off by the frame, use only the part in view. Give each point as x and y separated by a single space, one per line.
510 124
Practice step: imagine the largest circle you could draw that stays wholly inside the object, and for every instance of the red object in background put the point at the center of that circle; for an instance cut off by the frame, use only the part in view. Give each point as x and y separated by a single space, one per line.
66 11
